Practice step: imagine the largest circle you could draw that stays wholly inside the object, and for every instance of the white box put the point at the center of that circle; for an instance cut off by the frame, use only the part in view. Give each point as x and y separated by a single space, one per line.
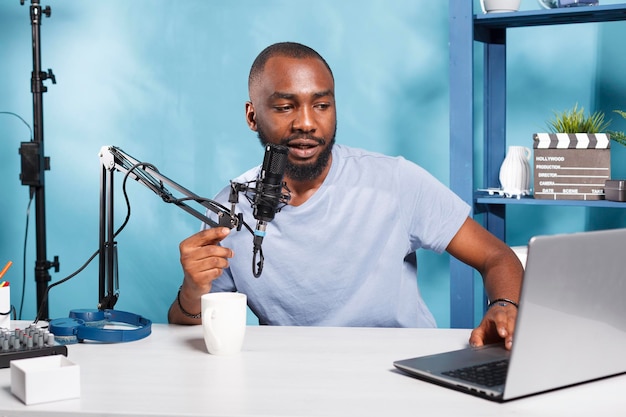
44 379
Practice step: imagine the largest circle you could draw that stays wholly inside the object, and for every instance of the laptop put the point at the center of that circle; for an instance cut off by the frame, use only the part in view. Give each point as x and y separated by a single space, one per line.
571 324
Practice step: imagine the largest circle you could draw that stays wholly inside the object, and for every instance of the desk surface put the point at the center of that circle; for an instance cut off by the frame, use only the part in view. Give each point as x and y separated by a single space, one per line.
289 371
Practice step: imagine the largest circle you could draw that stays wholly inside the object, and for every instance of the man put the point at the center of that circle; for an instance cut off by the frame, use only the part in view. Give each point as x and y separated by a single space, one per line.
342 253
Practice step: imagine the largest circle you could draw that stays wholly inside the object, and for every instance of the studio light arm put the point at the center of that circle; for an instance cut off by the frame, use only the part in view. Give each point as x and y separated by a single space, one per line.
114 159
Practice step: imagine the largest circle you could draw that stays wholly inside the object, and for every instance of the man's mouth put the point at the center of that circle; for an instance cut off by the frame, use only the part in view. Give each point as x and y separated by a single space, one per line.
303 145
303 148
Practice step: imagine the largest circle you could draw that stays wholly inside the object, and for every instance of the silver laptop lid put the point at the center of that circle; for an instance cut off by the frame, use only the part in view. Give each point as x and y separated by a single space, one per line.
578 281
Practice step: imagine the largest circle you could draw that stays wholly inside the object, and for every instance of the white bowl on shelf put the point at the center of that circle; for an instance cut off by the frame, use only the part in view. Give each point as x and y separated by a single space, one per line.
499 6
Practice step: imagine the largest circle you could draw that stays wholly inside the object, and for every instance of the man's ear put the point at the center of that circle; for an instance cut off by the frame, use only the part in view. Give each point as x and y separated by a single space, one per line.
251 116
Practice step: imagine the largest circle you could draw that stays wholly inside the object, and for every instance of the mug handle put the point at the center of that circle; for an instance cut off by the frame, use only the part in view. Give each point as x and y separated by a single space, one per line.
528 153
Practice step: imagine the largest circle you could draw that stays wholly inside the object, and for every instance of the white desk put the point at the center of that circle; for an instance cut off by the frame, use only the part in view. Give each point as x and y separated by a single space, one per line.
289 371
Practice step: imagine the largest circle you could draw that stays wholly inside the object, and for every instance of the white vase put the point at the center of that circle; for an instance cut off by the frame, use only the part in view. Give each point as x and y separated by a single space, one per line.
515 172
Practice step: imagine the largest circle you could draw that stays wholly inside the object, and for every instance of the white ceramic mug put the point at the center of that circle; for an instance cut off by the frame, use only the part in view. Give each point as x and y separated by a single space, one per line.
224 322
499 6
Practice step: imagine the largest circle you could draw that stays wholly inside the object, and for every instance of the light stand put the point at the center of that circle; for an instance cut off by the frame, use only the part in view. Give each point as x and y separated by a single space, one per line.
34 163
114 159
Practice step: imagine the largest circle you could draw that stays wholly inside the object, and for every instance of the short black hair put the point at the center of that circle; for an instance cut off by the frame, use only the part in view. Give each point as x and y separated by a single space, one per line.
286 49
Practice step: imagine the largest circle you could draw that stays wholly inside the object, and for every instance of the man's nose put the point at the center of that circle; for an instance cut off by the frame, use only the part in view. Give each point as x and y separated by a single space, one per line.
305 120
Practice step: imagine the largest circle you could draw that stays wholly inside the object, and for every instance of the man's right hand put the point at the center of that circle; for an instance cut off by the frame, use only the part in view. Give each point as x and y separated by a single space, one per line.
203 261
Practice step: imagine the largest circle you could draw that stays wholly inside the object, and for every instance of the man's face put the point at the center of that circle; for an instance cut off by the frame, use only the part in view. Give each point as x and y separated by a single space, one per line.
293 104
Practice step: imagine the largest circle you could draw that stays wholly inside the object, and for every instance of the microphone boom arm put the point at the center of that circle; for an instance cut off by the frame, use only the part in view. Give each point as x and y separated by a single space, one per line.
114 159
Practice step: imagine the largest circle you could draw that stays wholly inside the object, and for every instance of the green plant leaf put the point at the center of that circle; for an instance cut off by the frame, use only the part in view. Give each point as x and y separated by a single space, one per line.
575 121
618 137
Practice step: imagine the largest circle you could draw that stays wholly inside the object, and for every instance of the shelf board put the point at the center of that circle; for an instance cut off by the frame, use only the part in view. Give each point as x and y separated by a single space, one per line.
566 15
490 28
490 200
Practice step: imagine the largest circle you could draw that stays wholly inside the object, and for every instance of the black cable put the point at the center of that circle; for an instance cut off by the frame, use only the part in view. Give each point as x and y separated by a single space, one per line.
257 267
72 275
32 195
10 113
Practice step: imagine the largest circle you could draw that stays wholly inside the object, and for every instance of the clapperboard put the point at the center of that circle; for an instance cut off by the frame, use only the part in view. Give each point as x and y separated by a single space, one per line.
571 166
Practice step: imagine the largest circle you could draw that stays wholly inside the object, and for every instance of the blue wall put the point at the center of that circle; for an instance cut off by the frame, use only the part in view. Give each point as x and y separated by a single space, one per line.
166 82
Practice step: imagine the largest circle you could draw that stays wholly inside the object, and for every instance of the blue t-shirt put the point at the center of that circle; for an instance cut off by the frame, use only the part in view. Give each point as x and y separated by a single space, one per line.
346 256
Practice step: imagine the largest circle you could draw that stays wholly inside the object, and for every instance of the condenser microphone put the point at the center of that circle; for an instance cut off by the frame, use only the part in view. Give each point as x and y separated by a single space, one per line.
268 193
269 186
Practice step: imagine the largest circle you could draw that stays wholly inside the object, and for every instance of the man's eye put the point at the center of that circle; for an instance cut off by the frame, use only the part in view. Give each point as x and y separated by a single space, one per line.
322 106
282 108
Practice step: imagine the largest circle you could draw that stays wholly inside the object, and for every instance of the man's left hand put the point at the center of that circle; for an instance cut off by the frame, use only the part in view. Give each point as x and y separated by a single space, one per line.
497 324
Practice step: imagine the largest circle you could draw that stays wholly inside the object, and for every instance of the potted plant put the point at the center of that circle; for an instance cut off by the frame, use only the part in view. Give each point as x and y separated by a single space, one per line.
575 121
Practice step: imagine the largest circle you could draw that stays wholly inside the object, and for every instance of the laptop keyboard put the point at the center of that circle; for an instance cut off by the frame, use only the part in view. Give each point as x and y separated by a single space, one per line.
488 374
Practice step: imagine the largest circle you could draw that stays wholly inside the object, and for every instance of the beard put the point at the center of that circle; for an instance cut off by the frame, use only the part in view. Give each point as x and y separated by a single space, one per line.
303 172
